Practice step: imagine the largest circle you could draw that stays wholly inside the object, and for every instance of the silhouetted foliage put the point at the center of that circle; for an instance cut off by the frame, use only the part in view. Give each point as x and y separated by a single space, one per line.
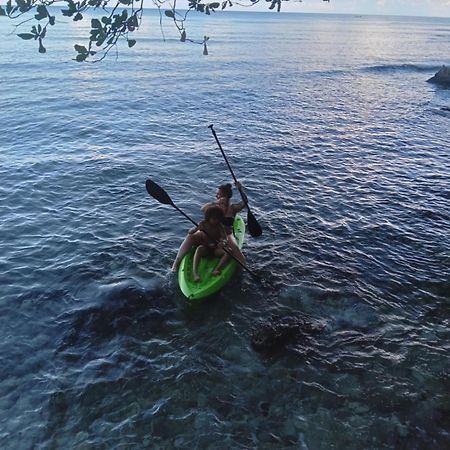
114 20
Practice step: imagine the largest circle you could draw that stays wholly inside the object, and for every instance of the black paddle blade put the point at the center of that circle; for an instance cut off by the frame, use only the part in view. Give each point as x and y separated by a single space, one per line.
158 193
254 227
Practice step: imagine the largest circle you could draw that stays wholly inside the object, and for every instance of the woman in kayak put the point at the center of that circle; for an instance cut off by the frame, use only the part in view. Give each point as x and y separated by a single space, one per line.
213 237
223 200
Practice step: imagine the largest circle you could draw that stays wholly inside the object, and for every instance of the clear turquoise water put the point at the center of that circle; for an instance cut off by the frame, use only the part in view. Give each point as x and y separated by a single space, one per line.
342 144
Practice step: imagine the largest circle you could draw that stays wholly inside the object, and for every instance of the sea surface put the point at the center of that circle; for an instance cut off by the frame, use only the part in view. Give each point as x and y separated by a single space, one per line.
344 150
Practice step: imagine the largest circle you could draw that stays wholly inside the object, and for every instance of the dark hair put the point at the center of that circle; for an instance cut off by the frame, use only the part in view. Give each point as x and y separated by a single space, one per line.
214 211
226 189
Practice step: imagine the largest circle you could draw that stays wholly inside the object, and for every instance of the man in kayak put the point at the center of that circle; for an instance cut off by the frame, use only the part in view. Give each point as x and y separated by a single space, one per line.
223 200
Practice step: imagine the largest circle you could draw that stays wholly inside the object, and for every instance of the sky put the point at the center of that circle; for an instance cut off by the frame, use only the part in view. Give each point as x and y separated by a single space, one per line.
440 8
434 8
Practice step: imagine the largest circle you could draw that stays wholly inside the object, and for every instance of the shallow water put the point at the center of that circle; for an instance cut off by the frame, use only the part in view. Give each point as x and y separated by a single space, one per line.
344 150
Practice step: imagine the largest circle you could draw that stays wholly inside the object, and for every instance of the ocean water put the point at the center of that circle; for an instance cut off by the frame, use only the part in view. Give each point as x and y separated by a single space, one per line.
344 150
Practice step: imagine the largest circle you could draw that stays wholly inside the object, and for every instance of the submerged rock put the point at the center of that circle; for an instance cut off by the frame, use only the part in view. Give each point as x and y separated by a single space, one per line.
276 333
442 77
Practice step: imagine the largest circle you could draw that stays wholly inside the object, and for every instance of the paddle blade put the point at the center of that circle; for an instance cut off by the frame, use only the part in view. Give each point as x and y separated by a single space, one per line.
158 193
254 227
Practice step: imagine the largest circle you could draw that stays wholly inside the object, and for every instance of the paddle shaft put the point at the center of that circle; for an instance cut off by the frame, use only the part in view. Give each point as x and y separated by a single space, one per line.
185 215
223 153
253 226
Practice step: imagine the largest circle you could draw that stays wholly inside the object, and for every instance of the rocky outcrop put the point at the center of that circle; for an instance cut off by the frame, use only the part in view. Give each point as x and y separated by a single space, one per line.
442 77
277 333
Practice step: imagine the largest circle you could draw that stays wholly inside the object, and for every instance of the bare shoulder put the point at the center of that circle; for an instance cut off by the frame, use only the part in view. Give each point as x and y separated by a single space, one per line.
206 206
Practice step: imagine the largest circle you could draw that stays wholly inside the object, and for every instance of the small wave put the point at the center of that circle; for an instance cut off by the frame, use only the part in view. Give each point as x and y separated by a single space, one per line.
402 68
379 68
444 111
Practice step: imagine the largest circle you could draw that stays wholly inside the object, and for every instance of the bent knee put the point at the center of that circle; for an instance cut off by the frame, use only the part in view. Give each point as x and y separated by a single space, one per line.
203 250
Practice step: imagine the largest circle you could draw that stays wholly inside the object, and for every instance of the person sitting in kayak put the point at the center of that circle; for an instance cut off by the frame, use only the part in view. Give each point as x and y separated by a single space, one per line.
223 196
213 237
223 200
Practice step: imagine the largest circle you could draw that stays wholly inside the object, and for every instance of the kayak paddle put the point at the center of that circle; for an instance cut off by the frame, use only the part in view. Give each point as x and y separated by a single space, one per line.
253 226
158 193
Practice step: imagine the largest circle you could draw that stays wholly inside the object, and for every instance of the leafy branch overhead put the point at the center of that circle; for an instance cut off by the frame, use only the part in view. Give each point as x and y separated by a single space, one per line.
114 20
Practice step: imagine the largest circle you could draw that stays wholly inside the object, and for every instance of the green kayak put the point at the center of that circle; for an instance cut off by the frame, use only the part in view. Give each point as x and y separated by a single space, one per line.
209 284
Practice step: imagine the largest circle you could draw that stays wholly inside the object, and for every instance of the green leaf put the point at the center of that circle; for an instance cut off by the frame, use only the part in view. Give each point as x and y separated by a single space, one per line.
9 7
106 20
42 12
169 13
26 36
23 5
78 16
80 48
133 21
214 5
131 43
183 36
95 23
81 57
71 11
71 5
51 20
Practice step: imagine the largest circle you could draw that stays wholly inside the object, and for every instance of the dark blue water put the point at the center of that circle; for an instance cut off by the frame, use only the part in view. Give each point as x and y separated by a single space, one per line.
343 147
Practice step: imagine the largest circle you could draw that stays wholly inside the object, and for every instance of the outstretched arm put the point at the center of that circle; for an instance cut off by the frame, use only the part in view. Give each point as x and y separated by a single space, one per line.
243 203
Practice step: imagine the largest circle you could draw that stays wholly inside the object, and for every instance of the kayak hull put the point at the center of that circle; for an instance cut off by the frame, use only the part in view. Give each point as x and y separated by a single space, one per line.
209 284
